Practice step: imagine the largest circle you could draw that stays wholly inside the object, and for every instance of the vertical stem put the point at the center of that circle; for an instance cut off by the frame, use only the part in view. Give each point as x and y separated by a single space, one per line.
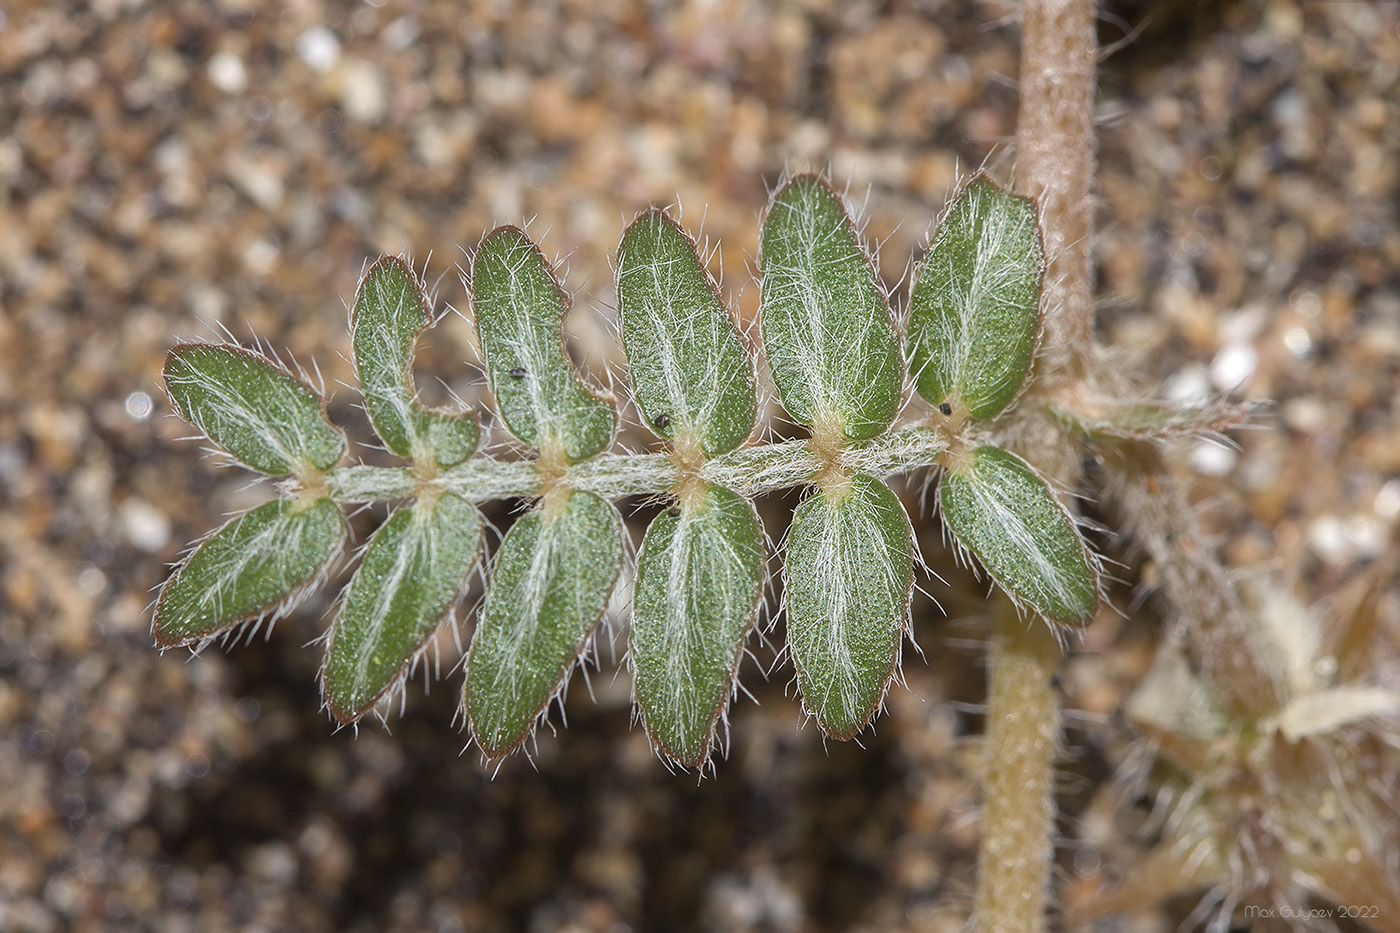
1055 163
1016 847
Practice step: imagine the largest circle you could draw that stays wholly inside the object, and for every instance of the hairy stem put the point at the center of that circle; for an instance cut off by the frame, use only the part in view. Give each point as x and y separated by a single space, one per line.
1018 810
1055 165
750 471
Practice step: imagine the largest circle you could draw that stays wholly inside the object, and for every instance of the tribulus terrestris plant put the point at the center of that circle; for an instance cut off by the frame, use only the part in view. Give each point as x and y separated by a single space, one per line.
1273 739
841 365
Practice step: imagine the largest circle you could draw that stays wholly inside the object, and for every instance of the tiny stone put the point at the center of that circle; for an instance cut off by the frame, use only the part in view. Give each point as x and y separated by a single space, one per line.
363 94
145 525
1298 341
319 48
1189 386
662 421
1327 537
1387 504
227 72
1211 458
1233 366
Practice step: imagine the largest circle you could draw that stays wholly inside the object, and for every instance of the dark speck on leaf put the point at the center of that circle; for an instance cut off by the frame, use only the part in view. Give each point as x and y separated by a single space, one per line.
662 421
946 408
518 372
674 512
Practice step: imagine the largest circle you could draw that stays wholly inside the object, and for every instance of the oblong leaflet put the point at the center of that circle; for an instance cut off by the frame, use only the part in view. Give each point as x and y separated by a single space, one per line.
690 371
1001 511
518 308
699 583
255 565
975 306
413 570
849 576
391 311
253 408
549 586
826 326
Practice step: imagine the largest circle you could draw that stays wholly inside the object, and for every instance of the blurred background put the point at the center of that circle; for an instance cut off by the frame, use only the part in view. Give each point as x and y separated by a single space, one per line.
171 169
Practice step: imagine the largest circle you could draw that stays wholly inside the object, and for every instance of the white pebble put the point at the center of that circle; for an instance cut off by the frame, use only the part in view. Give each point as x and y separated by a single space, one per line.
227 72
145 525
1306 414
1327 536
1233 366
400 34
363 95
1189 386
1211 458
1367 536
1298 341
1387 504
319 48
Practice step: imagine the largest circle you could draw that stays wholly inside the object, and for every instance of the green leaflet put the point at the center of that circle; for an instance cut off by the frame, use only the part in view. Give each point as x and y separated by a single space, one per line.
691 373
849 577
1001 511
975 309
253 565
549 587
699 582
391 310
252 408
519 307
413 570
826 323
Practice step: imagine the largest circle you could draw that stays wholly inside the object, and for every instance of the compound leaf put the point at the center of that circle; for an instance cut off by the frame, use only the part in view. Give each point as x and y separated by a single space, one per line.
975 309
549 587
391 311
692 375
825 321
849 577
255 565
699 582
519 307
414 568
265 417
1001 511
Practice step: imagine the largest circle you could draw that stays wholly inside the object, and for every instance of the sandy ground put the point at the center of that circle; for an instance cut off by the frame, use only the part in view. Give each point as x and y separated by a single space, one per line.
171 169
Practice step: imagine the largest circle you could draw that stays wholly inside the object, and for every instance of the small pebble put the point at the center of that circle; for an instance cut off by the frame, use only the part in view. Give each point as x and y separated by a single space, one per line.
319 49
227 72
